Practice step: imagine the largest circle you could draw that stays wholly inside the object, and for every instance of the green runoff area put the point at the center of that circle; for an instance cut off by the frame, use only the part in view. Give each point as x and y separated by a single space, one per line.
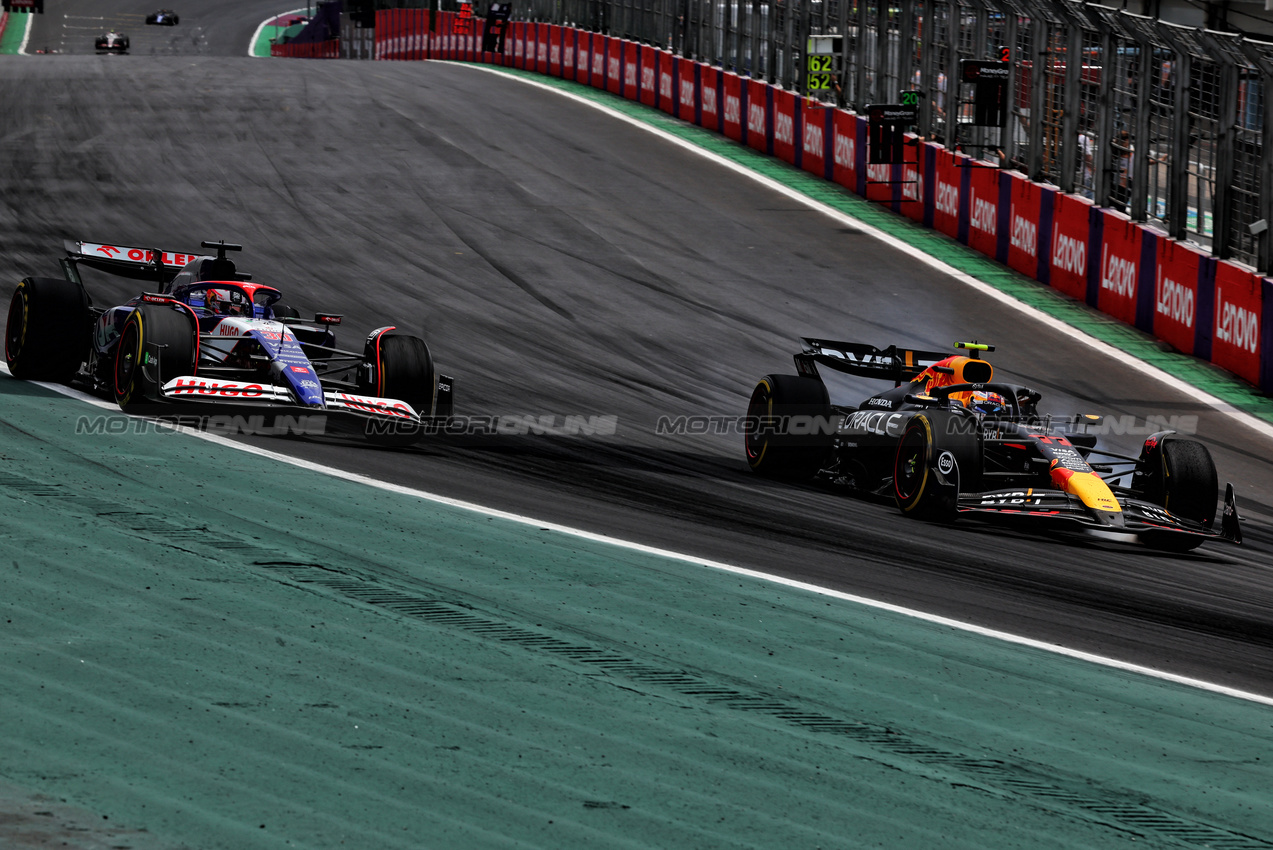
208 648
14 32
273 31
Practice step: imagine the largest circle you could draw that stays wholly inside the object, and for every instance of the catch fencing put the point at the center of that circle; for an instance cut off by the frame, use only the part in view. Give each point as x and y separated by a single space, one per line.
1162 121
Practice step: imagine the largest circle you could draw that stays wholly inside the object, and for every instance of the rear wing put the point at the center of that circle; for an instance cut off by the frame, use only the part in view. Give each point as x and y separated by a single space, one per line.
123 261
856 358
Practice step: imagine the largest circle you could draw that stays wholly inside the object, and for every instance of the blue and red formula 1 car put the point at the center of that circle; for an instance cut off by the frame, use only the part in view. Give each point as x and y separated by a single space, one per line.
949 442
208 338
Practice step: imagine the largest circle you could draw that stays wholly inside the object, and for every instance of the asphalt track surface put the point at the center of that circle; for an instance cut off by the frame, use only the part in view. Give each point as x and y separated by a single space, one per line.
214 29
563 263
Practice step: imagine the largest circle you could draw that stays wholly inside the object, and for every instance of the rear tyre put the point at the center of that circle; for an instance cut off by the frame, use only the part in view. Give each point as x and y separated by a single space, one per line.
789 427
936 442
156 345
47 334
1188 487
404 371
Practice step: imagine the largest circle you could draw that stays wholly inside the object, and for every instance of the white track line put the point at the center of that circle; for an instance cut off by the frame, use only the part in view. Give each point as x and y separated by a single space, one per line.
26 35
471 507
1259 425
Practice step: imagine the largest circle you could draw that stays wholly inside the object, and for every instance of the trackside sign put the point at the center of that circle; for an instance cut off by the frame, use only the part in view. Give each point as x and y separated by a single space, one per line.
1235 338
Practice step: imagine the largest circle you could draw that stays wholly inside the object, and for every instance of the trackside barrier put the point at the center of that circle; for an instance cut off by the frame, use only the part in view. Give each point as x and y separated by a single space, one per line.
4 22
1214 309
313 50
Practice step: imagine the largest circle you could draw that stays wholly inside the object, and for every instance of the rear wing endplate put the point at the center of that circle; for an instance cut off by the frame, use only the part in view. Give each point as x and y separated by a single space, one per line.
856 358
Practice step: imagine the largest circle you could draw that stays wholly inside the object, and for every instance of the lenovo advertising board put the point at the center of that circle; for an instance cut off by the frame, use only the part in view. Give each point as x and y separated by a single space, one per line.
1068 257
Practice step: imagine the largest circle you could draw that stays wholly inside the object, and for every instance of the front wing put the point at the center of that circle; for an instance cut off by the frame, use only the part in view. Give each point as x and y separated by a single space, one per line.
1055 507
223 394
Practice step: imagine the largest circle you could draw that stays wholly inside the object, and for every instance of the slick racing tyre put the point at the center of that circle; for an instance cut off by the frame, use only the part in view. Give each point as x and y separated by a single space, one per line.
936 446
403 371
1182 478
156 345
48 332
789 428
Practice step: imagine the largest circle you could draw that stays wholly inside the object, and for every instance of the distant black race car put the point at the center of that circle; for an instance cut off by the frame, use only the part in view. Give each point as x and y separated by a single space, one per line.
164 17
205 338
111 42
948 442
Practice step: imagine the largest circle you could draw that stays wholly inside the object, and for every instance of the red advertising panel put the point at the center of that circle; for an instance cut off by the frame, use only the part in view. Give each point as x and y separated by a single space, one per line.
631 68
583 57
554 51
441 40
786 125
456 41
600 47
1176 293
514 49
813 140
541 48
568 37
1120 267
388 33
709 96
424 38
1025 200
845 126
732 90
667 97
523 46
471 41
650 75
614 65
948 176
1071 229
879 182
1235 340
467 43
686 91
983 211
758 115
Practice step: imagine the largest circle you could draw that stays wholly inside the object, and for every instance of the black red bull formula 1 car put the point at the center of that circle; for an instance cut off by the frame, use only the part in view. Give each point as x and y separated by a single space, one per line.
948 442
205 338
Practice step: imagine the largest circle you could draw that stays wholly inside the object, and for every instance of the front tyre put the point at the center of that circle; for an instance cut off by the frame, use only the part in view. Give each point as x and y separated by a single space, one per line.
402 370
47 334
789 427
938 456
1185 483
156 345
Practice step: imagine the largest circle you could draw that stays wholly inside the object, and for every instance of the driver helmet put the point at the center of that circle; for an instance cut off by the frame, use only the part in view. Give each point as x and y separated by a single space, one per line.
985 403
225 302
